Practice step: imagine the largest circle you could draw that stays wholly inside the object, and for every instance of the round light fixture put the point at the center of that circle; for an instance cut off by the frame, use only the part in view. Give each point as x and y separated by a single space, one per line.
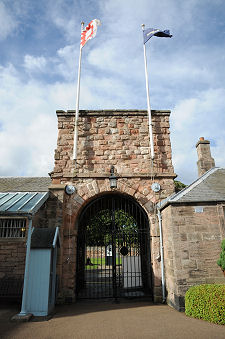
156 187
70 189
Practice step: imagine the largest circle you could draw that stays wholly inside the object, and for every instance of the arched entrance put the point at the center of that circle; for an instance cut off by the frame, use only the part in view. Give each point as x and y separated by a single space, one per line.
113 249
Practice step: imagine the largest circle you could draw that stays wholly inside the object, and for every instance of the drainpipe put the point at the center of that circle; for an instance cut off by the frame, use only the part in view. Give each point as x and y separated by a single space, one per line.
26 273
162 256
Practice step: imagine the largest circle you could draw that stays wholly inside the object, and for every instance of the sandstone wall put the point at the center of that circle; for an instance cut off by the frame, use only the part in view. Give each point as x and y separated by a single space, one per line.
119 138
191 247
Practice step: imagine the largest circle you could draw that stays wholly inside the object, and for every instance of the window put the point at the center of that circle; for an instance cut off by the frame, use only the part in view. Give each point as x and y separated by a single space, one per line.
199 209
12 228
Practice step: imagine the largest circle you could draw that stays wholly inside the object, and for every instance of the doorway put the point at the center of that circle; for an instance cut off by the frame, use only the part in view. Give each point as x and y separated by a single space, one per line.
113 249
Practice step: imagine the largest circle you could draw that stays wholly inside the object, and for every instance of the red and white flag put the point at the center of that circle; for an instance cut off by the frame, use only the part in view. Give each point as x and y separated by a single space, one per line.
89 32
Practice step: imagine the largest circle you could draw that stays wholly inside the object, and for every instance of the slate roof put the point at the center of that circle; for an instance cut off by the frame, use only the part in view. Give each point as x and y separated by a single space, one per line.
42 237
210 187
24 184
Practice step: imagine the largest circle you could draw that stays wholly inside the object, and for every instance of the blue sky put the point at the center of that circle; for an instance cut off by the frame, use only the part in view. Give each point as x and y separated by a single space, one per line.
38 71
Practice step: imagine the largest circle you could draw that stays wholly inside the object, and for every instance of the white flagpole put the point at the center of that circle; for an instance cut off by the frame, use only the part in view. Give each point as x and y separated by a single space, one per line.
148 103
77 103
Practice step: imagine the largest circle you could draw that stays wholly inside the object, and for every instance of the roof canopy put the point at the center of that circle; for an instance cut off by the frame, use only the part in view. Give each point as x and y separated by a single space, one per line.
25 203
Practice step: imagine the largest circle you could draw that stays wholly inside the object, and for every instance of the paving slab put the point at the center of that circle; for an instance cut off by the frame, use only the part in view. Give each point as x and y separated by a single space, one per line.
106 320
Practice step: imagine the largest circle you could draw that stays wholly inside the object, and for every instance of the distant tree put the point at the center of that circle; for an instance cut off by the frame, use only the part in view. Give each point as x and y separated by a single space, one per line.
179 186
99 231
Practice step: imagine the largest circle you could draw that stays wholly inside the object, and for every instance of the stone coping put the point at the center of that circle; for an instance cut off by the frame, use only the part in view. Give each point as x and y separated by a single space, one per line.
112 112
119 176
202 142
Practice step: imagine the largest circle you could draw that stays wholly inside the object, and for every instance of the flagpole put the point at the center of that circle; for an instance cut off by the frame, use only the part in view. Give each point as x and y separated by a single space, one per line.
148 103
77 102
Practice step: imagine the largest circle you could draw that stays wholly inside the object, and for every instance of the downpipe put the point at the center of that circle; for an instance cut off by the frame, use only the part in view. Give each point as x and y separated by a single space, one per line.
162 256
23 311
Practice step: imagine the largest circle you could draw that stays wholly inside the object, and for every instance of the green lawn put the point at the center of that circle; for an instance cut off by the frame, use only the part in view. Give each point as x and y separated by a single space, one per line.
98 262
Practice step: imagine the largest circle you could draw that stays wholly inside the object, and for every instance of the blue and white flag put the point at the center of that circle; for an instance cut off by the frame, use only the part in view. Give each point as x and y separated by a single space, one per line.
148 33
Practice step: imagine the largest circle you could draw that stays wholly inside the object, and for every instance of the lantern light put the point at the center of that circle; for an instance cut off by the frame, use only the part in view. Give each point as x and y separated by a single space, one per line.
112 178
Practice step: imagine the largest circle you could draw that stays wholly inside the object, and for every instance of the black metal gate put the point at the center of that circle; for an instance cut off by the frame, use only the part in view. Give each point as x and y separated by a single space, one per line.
113 249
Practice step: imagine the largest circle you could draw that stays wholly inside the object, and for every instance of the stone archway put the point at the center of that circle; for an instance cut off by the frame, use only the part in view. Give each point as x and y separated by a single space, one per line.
109 137
113 249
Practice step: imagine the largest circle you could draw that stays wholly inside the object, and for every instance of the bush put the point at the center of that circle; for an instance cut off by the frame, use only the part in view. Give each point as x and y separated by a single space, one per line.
206 302
221 261
179 186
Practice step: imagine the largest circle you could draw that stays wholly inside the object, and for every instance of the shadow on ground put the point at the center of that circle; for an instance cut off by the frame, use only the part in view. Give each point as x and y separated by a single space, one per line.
107 319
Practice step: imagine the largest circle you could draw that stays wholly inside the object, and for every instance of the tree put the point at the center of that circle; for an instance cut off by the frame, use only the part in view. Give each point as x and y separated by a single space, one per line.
221 261
179 186
101 228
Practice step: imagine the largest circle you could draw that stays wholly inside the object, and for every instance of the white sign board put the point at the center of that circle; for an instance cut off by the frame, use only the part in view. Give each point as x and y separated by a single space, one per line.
109 251
131 271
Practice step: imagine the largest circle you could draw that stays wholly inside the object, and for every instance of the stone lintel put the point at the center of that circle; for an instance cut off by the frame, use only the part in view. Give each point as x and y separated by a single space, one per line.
106 176
112 112
57 187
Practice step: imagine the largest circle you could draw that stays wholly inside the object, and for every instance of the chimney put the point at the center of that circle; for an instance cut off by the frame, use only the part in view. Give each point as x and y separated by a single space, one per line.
205 160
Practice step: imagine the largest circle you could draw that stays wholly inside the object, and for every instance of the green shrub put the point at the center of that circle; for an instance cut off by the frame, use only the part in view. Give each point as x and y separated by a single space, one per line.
206 302
221 261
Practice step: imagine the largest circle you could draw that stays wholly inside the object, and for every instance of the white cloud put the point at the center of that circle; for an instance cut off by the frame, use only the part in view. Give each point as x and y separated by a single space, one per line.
28 123
32 63
217 151
64 15
66 62
186 74
112 58
204 109
201 116
184 113
8 22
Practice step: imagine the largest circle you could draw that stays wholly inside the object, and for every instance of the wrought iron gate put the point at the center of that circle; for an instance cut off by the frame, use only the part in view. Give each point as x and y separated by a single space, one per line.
113 249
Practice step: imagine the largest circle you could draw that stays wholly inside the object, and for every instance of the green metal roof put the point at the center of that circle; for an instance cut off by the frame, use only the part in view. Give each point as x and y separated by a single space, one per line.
22 203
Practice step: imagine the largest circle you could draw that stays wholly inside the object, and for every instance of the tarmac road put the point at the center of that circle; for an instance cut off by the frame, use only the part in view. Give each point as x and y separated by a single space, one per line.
106 320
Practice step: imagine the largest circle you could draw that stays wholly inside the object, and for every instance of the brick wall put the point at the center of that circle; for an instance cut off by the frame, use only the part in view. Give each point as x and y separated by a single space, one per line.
191 247
12 258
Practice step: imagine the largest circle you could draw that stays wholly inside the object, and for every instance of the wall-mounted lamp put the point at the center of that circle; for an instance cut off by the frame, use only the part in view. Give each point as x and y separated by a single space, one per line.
112 178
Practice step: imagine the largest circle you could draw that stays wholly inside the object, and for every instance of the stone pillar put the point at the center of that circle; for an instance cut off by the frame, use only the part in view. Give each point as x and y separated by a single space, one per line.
205 161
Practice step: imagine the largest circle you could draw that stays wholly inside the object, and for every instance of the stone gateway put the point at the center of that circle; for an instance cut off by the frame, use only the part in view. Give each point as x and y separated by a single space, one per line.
123 231
117 138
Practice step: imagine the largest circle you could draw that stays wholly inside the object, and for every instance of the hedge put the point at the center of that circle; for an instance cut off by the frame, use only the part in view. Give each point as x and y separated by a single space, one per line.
221 261
206 302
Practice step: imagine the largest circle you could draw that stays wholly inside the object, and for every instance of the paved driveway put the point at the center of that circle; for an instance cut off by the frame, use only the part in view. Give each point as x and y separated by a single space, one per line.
106 320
